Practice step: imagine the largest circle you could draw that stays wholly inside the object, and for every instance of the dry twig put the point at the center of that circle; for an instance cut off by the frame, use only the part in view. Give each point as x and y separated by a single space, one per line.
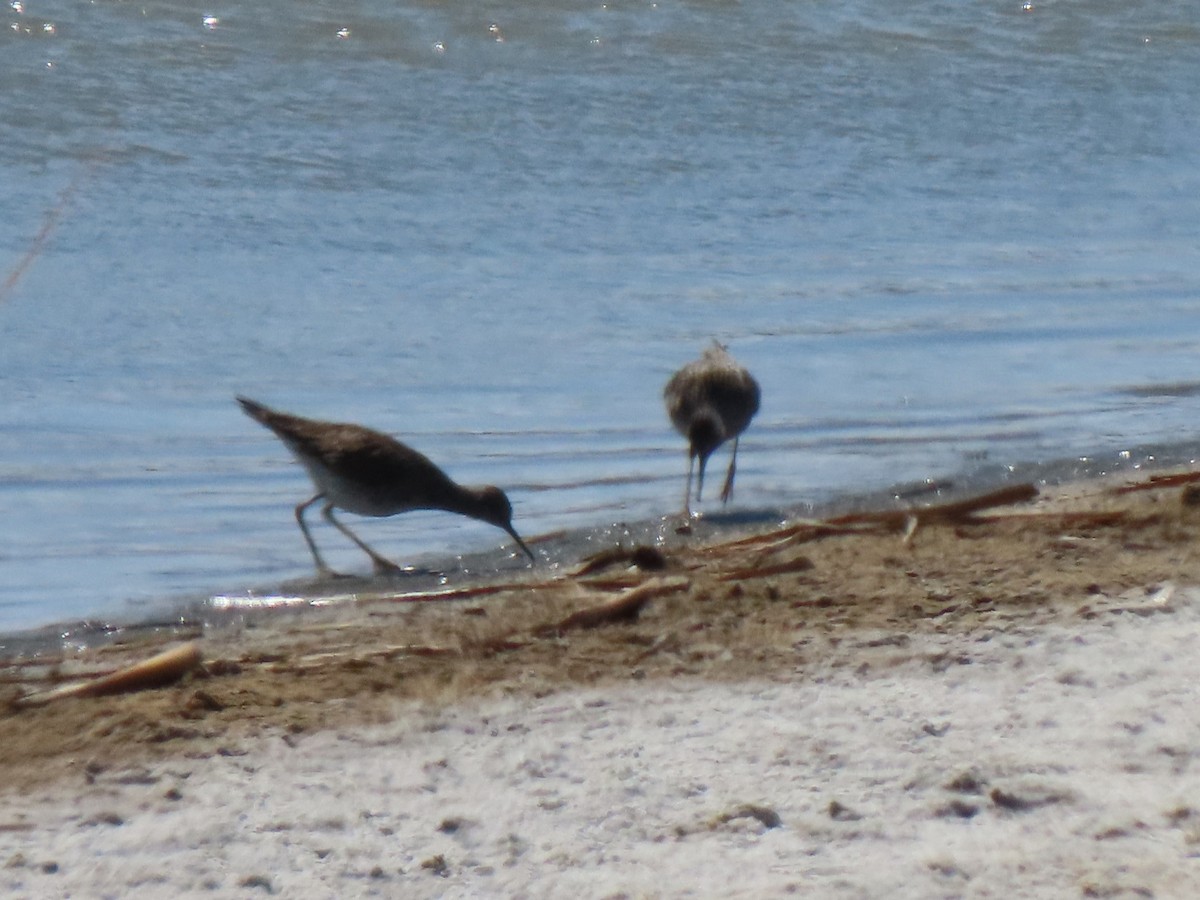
624 608
801 564
956 511
162 669
1159 481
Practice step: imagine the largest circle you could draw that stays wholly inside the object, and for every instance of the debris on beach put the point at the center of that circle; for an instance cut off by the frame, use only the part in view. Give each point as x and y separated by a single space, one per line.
808 596
647 559
624 608
159 670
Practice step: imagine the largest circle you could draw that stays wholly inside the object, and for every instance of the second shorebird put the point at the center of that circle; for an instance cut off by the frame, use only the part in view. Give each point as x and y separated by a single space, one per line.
711 400
372 474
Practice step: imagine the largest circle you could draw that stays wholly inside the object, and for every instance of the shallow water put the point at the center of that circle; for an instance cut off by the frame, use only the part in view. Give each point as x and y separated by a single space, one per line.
956 237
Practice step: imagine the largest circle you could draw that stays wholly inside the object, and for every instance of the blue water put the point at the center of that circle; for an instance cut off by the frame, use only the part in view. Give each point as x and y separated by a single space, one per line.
942 235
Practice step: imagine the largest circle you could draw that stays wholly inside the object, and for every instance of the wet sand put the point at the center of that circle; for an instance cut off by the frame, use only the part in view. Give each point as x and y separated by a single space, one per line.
990 704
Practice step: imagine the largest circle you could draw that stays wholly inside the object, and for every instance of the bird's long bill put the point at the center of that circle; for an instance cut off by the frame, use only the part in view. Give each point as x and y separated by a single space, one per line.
700 477
520 543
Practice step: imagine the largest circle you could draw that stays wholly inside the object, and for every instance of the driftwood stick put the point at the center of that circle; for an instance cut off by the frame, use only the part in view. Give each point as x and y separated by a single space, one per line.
958 510
462 593
624 608
157 671
803 564
892 520
778 535
796 533
1159 481
1078 518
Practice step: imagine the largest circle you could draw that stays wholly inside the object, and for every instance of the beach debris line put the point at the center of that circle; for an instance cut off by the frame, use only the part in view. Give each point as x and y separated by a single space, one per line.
790 567
1154 482
157 671
905 521
954 511
615 597
637 591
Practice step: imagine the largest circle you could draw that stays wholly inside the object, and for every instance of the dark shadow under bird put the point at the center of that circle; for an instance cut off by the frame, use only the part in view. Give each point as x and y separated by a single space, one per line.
711 400
367 472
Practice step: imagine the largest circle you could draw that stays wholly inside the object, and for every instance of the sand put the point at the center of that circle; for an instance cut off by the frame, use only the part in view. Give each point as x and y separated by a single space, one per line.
990 706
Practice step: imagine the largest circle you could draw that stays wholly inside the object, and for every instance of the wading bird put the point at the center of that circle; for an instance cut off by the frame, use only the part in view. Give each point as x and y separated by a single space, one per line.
711 400
364 471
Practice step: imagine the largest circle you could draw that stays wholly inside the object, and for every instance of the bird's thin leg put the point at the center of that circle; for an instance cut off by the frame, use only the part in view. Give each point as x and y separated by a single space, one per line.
382 566
727 490
700 477
687 491
322 569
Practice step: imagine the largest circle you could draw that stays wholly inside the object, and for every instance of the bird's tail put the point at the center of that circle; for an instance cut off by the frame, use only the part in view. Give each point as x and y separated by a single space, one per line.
256 411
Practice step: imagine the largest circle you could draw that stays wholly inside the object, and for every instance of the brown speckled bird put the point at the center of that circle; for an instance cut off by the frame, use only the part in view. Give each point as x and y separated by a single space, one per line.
372 474
711 400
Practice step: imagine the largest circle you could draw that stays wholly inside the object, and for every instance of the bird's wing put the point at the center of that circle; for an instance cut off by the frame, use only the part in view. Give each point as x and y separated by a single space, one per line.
363 454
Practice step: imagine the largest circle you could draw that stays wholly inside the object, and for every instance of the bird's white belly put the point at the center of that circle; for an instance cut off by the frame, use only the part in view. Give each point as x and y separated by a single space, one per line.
354 497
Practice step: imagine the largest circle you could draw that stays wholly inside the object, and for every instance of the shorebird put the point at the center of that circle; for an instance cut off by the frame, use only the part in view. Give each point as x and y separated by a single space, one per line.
711 400
364 471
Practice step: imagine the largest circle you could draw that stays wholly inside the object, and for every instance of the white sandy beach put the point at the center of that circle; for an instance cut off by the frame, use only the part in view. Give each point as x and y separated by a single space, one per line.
1035 762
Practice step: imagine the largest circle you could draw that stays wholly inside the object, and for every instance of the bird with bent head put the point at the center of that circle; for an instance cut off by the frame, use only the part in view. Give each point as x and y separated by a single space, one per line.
367 472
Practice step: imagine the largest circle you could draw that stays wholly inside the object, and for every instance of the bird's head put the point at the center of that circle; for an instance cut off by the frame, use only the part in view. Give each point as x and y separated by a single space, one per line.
705 434
495 509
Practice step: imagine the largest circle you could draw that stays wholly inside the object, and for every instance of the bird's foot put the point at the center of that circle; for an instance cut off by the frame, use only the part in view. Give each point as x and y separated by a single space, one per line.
387 567
686 517
327 574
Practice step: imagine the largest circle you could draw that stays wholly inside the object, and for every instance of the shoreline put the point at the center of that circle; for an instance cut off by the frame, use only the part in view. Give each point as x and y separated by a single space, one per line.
876 612
192 615
852 575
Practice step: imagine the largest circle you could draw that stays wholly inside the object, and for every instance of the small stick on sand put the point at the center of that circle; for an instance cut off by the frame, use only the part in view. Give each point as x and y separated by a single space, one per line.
460 593
1077 518
1159 481
899 520
803 564
157 671
797 533
624 608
